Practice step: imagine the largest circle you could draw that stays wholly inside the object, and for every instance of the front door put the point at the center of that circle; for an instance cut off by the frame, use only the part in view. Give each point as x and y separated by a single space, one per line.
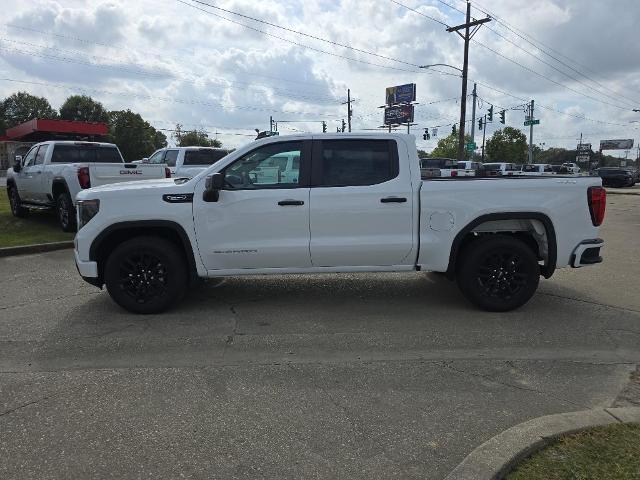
26 179
361 205
261 219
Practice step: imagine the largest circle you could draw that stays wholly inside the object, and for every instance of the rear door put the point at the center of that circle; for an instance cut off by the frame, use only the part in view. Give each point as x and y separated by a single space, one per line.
361 207
258 222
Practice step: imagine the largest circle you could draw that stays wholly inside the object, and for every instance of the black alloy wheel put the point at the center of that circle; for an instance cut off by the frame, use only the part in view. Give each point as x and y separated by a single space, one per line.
66 212
498 273
17 210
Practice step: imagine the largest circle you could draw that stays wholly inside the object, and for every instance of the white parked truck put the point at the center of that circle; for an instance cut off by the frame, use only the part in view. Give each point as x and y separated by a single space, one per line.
52 173
186 161
358 204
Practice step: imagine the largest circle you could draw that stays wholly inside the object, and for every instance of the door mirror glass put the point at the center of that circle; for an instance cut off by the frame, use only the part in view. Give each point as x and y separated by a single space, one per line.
17 163
213 185
145 160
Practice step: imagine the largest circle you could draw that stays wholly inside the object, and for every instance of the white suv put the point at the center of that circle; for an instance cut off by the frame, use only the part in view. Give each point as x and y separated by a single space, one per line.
187 161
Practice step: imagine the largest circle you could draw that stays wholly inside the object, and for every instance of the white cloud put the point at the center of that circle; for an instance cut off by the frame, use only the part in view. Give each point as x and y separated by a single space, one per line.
174 63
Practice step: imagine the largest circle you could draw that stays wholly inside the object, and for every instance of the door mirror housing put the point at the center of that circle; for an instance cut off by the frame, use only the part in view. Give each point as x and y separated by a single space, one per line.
17 163
145 160
213 184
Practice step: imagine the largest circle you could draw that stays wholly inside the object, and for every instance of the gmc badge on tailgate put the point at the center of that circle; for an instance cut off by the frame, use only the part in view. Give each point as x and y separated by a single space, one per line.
130 172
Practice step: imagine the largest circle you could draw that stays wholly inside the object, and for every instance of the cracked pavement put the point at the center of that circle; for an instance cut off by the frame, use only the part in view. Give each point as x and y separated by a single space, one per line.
354 376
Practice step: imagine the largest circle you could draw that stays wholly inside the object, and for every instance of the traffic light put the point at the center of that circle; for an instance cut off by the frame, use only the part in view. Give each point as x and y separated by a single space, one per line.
426 135
453 129
502 117
480 124
324 127
344 125
490 114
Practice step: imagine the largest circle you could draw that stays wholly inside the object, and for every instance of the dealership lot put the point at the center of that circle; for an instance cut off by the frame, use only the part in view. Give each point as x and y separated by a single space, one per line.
356 376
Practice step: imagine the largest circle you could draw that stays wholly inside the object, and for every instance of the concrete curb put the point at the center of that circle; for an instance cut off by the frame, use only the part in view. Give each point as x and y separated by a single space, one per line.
37 248
623 192
499 455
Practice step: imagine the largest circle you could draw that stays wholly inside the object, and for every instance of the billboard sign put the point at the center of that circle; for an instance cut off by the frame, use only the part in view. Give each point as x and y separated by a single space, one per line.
584 148
401 94
583 158
626 144
398 114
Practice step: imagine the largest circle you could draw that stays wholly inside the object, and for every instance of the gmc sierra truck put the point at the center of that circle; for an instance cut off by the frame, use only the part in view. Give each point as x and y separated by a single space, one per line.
52 173
357 204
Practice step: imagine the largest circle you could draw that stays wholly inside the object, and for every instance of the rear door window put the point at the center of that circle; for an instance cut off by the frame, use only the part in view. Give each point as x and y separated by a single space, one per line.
341 163
171 157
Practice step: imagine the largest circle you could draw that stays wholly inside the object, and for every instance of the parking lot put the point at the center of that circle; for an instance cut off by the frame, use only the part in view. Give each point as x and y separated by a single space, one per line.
334 376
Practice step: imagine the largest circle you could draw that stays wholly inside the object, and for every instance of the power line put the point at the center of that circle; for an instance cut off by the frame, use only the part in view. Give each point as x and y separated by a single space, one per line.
420 13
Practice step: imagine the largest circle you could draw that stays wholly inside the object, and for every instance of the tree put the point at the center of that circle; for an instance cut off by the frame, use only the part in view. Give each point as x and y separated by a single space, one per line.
194 138
135 137
448 147
84 109
507 145
22 107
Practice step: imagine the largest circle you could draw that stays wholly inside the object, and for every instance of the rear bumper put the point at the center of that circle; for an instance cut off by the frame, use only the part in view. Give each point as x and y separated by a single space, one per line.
587 253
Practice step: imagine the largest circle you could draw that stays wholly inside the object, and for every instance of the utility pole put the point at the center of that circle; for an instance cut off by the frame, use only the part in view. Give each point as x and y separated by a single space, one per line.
271 123
349 110
473 113
484 134
531 132
465 69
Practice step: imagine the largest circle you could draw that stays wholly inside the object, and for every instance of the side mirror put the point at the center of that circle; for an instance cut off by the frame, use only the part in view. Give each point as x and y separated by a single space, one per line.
145 160
213 184
17 163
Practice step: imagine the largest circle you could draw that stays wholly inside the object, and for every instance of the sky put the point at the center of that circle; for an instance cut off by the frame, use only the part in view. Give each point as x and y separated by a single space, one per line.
181 61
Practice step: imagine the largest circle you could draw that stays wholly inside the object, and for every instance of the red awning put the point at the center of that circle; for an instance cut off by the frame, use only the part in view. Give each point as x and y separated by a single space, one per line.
56 128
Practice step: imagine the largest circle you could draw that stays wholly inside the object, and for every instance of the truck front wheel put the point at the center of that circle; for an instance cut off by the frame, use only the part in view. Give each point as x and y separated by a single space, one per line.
66 212
498 273
146 275
16 204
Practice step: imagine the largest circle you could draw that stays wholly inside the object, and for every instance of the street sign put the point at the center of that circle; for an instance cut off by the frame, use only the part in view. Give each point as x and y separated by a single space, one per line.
471 146
616 144
584 147
401 94
398 114
528 123
583 158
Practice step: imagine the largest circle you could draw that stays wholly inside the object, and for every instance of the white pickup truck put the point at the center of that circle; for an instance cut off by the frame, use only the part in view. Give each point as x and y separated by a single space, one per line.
358 204
186 161
52 173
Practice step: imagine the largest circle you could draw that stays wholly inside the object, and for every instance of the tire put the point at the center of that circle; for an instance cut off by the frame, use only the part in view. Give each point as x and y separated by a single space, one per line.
498 273
66 212
146 275
17 210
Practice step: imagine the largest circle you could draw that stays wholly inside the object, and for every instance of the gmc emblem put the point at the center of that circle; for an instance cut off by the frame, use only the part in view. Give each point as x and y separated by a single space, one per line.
130 172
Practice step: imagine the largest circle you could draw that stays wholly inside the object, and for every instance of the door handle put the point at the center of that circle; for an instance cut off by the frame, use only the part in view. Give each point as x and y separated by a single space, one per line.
283 203
393 200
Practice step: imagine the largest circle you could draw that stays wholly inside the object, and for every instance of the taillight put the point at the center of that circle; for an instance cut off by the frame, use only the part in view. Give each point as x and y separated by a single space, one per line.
167 172
597 198
83 177
454 173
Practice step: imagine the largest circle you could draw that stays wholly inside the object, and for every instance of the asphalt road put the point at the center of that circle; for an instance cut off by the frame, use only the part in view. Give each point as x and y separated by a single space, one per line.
358 376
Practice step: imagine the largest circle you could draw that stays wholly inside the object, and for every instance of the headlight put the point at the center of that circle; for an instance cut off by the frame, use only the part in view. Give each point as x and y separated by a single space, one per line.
87 209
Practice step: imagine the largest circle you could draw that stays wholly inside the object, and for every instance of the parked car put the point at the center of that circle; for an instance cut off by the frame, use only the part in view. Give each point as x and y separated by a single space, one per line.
52 173
536 169
572 167
559 169
438 167
500 169
616 177
359 206
186 161
468 168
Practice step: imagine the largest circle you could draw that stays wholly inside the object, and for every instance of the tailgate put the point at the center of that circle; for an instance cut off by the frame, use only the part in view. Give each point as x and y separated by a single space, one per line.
106 173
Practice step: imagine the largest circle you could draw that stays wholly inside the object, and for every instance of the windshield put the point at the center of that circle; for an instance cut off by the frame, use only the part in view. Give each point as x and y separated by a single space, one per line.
203 157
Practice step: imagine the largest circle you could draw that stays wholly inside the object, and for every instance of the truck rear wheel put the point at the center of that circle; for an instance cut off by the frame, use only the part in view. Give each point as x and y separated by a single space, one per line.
498 273
66 212
17 210
146 275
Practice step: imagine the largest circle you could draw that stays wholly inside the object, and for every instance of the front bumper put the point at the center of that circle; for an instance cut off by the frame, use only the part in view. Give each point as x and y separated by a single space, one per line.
88 271
587 253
